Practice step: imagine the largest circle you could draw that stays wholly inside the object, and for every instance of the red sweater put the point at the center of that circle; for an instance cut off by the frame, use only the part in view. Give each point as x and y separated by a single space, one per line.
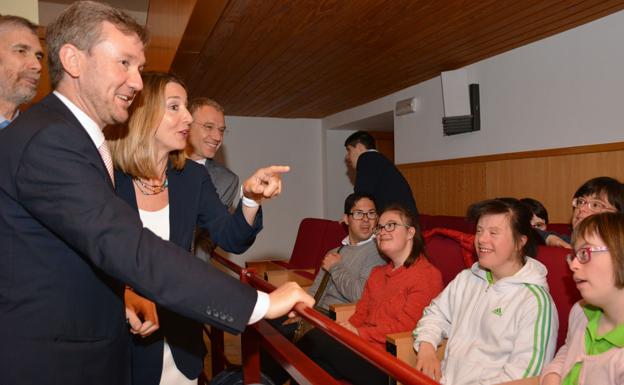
393 300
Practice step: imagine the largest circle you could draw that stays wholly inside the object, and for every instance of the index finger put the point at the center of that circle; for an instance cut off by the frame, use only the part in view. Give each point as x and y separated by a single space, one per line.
276 169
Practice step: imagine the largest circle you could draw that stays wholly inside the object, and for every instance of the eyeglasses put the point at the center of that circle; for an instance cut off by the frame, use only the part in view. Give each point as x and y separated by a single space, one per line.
584 254
539 226
592 205
359 215
210 127
389 227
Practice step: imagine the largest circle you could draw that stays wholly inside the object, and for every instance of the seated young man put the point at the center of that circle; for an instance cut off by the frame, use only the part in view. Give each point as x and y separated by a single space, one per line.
347 268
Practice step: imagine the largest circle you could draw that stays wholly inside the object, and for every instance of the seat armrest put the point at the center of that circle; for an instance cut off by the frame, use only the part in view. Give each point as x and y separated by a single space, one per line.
261 267
340 312
401 345
278 277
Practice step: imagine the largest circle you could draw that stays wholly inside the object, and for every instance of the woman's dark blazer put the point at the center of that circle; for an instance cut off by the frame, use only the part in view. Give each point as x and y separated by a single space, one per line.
193 202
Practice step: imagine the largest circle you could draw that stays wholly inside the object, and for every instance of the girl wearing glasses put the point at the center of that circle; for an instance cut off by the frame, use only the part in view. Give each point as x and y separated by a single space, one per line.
393 300
597 195
593 352
498 316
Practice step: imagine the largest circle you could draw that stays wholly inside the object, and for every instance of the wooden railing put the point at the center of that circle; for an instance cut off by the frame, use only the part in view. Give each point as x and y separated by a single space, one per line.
299 366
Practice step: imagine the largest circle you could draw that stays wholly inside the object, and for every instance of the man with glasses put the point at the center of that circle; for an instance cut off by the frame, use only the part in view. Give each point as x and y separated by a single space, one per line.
204 140
350 265
344 270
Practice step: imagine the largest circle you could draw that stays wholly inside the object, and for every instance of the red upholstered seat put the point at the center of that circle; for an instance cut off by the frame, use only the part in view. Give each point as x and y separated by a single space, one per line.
562 287
450 251
428 222
315 238
560 228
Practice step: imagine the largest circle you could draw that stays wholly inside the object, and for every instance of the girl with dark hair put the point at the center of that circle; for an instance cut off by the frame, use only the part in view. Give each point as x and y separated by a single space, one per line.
498 316
393 300
597 195
594 349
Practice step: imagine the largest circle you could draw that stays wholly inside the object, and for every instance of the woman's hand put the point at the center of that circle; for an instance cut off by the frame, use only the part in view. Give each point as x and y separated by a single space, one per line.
427 361
141 314
553 240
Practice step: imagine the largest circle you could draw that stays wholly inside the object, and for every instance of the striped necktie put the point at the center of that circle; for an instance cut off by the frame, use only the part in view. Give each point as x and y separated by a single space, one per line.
4 123
108 161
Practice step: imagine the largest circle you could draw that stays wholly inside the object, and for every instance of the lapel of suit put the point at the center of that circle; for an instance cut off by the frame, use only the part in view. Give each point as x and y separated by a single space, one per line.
54 103
178 203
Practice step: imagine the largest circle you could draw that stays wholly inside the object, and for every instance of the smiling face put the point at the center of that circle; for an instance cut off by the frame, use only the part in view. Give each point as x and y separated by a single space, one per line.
109 75
589 205
495 245
397 244
173 129
361 229
20 65
206 135
595 279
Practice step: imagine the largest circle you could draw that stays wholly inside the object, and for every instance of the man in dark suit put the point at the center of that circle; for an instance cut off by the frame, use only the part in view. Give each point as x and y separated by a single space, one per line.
69 244
376 175
20 65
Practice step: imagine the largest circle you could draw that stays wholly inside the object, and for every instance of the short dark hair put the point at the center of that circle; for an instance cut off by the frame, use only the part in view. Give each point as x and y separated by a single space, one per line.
354 198
536 207
610 228
196 103
80 24
519 219
418 245
18 21
362 137
608 186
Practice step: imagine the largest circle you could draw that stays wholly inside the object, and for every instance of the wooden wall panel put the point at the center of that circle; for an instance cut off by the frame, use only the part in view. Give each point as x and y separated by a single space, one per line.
551 176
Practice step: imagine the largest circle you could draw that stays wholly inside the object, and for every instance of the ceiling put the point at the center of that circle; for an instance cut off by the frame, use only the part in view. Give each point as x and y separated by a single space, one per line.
313 58
297 59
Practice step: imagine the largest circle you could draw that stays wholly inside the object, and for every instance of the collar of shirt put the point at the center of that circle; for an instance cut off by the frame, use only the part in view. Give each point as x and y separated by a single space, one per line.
345 242
599 344
15 115
371 150
95 132
201 161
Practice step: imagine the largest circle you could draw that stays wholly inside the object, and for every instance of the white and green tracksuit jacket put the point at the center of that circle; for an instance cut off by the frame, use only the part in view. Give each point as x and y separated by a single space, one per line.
496 332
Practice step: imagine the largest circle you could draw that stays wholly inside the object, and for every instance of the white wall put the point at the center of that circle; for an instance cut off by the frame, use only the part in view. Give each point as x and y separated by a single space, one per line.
562 91
251 143
336 178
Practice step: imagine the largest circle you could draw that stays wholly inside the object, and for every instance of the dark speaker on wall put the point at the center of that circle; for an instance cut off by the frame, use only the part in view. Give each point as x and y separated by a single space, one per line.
454 125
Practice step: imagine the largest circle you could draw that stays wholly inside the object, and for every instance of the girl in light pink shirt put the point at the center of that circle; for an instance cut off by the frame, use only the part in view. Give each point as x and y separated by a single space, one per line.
594 349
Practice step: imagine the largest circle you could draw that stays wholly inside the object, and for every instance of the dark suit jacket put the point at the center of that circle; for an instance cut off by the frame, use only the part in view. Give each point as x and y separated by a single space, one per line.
377 176
68 244
192 201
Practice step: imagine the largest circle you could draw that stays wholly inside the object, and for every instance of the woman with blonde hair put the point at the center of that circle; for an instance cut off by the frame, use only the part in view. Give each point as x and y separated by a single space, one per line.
173 196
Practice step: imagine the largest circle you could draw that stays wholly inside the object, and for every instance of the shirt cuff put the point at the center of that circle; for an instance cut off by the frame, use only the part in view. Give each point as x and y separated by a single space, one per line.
261 308
248 202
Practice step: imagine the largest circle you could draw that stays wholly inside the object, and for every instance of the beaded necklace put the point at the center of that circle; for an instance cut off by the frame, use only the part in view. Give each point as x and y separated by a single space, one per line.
150 189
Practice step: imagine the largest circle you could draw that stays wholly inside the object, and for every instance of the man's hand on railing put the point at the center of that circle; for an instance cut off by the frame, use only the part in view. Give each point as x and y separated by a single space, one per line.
284 298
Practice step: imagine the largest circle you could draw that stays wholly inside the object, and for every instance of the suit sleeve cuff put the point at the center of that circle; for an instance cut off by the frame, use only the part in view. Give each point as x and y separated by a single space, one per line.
261 308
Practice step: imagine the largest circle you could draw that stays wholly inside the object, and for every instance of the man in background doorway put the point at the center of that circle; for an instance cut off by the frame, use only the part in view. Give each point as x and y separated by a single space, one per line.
376 175
20 65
